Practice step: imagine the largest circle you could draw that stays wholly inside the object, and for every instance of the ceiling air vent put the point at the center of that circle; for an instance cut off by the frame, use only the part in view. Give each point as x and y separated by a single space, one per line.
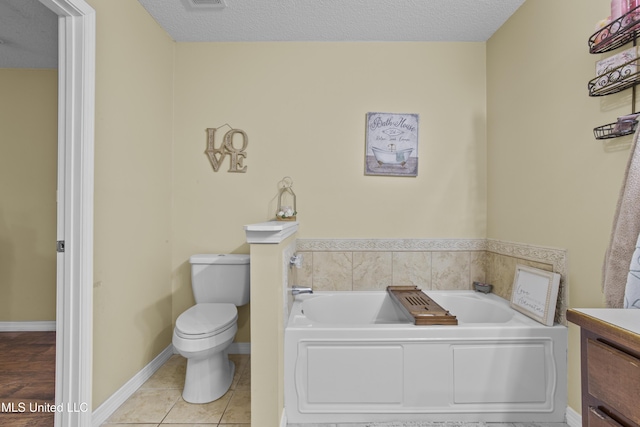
206 4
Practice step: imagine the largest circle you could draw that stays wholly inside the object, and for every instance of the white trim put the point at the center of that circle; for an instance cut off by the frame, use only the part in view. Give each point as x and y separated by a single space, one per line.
37 326
283 418
109 406
240 348
74 306
271 232
573 418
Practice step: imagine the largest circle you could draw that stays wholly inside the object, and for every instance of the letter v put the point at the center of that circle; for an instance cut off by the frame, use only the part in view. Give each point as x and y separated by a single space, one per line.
212 150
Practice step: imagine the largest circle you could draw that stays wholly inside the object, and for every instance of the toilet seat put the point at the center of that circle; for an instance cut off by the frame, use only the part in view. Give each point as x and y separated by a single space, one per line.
205 320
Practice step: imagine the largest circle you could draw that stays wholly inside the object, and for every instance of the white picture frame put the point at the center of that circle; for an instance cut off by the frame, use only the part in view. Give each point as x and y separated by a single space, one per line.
535 293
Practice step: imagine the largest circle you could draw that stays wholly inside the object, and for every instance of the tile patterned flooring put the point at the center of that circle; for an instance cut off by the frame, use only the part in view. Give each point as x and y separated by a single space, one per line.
158 402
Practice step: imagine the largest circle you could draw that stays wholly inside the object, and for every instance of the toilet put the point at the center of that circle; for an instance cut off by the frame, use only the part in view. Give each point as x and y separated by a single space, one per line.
204 332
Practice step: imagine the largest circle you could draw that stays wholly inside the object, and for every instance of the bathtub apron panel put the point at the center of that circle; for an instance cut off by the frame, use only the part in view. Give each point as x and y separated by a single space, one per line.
374 371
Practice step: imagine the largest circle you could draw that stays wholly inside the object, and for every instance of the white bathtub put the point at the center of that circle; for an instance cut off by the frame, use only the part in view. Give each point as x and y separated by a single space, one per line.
355 357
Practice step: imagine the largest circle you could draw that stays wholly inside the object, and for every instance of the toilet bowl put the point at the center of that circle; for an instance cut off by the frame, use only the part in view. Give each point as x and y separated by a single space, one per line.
202 335
205 331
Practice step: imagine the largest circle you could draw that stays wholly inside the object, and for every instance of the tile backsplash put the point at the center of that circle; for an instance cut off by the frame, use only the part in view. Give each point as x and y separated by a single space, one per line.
369 271
430 264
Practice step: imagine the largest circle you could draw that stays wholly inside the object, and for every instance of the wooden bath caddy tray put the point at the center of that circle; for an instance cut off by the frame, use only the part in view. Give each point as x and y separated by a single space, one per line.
418 305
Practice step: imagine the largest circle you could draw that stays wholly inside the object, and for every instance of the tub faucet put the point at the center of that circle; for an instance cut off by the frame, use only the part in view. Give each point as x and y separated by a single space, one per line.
297 290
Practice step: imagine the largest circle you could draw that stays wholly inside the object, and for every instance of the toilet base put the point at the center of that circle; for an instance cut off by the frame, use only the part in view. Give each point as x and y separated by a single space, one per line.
208 379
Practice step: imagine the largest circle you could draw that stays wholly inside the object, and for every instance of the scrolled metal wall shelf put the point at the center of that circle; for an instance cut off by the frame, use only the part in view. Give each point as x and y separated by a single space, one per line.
609 131
618 79
617 33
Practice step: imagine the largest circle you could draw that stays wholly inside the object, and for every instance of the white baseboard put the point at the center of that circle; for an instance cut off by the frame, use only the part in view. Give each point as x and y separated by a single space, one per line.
283 418
110 405
37 326
573 418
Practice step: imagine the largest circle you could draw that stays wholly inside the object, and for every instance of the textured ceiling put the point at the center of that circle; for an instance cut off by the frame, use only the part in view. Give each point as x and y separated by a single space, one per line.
333 20
28 35
28 30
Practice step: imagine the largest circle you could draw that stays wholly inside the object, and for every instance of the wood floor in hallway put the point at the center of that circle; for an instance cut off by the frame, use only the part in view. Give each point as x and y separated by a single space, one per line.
27 378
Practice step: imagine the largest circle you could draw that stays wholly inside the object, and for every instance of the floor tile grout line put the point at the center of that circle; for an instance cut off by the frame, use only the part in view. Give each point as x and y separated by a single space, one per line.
233 392
172 406
220 422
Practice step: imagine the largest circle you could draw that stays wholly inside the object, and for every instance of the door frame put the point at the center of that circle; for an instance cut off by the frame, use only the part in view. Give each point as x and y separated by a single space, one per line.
74 281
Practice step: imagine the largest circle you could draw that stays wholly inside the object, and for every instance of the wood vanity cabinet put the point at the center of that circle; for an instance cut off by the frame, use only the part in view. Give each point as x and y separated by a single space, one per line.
610 366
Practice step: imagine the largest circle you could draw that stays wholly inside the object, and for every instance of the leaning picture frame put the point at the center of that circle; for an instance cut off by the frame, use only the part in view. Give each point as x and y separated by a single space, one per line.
391 146
535 293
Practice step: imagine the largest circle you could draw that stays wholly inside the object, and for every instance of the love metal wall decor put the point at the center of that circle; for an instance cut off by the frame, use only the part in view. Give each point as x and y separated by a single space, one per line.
236 155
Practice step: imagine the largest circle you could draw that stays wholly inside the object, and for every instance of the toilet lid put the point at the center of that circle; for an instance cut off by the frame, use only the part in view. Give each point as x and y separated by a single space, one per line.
204 320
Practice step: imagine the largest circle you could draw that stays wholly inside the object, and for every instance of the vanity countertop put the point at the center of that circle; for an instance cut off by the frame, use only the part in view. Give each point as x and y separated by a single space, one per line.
613 323
628 319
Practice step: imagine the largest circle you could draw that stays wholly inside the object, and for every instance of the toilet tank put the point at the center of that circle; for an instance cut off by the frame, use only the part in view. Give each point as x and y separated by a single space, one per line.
221 278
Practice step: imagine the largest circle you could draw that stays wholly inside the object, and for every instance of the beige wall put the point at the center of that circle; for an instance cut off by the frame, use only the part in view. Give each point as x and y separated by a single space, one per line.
132 257
303 107
549 181
28 162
